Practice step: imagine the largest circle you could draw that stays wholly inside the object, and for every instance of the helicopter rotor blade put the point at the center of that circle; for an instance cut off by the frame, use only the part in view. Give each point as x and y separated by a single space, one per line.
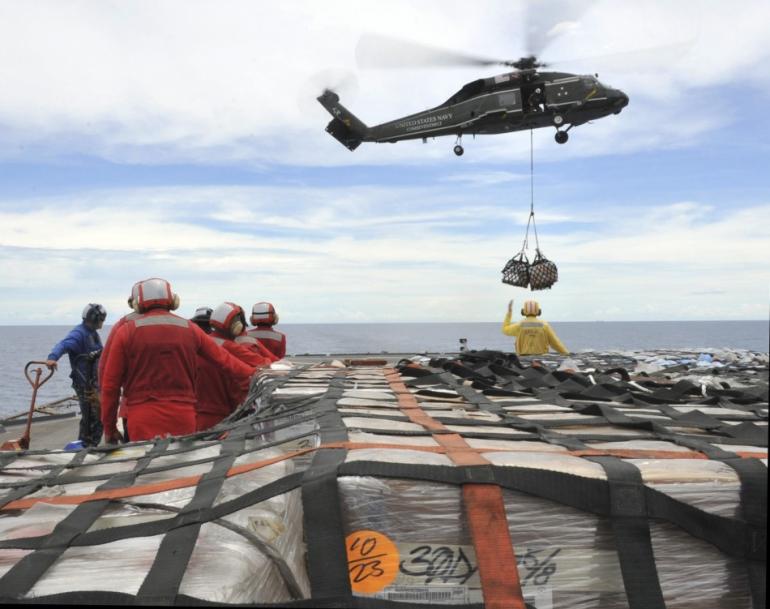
379 51
544 23
652 57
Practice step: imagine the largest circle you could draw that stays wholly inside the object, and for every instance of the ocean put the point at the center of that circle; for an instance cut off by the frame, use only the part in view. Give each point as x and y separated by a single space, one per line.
20 344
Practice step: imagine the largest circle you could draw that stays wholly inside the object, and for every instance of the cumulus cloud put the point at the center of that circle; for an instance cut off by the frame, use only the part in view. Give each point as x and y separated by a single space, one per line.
153 85
212 83
328 259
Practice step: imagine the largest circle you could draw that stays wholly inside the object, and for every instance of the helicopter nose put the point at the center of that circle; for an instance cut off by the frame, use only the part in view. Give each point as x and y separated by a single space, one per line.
619 99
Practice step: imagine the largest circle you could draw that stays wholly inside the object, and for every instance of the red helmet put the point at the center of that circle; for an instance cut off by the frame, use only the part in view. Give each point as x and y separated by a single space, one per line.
228 318
153 293
263 314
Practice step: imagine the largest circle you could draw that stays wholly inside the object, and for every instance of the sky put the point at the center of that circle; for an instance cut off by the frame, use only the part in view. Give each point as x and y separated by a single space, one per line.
182 139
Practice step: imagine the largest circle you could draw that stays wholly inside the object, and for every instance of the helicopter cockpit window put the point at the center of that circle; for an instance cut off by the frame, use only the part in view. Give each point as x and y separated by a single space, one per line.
589 82
468 91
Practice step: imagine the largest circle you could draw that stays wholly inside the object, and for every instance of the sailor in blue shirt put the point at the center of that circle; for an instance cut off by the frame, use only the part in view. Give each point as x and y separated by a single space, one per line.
84 347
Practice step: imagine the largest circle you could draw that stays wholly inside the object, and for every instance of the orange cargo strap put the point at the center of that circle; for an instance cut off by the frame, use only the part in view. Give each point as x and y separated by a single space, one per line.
498 571
461 455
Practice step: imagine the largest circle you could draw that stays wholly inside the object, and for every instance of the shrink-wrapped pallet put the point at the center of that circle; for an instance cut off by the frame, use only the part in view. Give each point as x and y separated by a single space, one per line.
225 565
567 558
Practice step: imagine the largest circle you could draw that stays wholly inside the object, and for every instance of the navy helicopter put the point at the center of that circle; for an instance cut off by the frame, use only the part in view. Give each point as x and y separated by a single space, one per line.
522 99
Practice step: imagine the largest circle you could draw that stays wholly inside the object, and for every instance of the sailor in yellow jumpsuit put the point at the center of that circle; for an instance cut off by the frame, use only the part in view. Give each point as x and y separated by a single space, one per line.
533 336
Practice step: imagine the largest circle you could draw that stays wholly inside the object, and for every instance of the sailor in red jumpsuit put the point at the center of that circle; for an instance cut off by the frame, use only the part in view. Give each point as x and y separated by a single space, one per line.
154 359
263 318
218 394
105 353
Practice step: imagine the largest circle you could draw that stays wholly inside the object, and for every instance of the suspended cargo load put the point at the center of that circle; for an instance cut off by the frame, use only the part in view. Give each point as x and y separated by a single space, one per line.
516 271
542 273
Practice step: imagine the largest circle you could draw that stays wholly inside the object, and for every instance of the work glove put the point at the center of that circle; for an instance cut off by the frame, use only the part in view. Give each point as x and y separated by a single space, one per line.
113 436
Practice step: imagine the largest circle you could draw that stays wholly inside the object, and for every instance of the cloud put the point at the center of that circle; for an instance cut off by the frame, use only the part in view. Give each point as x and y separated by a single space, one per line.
195 82
404 232
326 252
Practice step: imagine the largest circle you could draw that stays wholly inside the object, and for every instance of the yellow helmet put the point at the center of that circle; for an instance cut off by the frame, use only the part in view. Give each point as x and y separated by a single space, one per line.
531 308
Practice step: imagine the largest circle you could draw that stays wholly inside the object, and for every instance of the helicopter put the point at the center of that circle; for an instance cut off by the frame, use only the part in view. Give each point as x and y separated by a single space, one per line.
524 98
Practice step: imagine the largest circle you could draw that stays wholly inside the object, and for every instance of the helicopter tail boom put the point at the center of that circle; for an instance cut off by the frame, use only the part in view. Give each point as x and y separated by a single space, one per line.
345 127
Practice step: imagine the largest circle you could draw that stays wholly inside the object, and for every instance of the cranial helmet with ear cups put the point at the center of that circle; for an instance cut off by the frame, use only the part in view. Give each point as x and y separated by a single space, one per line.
263 314
531 308
228 318
94 313
153 293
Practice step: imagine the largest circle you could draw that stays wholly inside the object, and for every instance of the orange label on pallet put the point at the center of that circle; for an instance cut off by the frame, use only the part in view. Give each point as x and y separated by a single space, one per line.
372 561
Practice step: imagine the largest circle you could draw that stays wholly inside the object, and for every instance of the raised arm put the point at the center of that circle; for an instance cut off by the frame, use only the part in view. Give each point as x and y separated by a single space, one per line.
510 329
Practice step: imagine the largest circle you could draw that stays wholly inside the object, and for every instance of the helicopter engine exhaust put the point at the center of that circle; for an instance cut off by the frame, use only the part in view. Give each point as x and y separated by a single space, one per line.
345 127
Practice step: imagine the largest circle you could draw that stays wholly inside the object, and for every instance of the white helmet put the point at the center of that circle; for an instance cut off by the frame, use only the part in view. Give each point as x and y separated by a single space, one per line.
228 318
263 314
153 293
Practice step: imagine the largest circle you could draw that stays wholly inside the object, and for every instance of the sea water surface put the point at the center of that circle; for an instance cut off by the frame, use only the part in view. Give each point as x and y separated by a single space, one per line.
21 344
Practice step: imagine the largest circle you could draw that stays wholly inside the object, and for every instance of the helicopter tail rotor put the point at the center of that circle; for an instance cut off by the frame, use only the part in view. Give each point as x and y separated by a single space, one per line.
342 81
345 127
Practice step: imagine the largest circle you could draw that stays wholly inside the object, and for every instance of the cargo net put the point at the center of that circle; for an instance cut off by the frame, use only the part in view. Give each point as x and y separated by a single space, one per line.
516 271
541 274
480 481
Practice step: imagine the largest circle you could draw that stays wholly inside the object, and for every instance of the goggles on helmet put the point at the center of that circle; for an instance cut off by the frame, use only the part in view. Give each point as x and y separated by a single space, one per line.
263 314
154 293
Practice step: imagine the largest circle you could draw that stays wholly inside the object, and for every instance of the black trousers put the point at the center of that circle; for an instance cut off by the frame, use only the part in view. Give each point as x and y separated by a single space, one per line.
90 432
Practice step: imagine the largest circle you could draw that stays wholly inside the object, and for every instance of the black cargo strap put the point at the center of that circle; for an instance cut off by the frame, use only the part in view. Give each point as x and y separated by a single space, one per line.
341 602
321 505
160 527
753 476
734 537
631 526
25 488
162 582
23 576
743 537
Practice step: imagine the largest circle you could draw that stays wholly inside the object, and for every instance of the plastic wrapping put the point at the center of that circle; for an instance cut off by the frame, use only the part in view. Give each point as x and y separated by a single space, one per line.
225 566
567 558
246 500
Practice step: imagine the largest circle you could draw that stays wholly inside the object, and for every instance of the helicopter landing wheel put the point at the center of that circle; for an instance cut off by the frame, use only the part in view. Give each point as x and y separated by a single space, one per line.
558 120
561 137
458 150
